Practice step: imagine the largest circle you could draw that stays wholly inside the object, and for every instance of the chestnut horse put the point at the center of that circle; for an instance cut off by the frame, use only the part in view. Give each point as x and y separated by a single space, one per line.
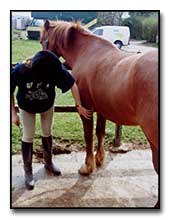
120 87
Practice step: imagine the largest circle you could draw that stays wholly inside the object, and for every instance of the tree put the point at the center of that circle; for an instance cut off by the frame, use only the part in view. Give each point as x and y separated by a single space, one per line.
143 27
141 13
109 18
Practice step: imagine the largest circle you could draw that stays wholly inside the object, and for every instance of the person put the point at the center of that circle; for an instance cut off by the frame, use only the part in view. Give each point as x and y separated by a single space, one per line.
36 80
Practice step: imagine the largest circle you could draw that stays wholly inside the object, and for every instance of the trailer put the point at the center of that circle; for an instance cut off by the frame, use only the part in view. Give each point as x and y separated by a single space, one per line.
33 31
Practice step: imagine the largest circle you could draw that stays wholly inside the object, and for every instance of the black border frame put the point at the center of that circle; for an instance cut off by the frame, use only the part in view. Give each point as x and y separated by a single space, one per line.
94 209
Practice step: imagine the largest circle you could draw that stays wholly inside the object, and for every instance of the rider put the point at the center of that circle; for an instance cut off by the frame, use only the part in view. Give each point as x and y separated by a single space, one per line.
36 79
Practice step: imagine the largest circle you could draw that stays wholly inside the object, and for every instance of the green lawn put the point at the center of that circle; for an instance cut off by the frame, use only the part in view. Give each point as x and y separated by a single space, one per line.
67 126
22 49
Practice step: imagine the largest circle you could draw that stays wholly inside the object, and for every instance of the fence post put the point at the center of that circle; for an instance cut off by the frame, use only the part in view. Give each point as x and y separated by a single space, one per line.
118 133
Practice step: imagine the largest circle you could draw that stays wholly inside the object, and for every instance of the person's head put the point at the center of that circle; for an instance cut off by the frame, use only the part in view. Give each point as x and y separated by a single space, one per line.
28 62
42 65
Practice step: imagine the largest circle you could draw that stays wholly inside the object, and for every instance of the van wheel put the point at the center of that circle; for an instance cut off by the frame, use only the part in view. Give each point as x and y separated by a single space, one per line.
118 44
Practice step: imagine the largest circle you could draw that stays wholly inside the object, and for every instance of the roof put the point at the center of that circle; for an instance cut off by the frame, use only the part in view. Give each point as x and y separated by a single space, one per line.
65 15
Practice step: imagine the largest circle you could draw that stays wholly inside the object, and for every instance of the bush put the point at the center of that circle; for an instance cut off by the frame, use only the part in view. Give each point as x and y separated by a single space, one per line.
142 28
138 27
135 26
130 23
150 29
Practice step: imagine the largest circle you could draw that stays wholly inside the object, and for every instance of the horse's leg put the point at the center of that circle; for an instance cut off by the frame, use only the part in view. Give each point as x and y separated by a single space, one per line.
100 132
118 132
153 140
89 165
155 164
155 157
152 134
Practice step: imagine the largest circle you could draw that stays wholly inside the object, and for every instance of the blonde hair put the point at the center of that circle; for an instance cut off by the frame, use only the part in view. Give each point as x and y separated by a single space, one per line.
28 61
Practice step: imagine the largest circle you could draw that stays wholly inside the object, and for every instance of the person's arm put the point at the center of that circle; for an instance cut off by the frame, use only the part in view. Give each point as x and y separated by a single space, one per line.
15 117
82 111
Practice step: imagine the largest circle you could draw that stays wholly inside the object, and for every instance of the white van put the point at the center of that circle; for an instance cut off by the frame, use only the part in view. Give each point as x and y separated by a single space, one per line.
119 35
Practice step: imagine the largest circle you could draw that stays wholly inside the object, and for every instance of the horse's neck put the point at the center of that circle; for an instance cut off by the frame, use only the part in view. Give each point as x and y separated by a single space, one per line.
72 53
70 57
89 46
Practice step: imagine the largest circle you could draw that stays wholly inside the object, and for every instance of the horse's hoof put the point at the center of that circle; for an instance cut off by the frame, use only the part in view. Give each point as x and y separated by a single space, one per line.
84 170
99 160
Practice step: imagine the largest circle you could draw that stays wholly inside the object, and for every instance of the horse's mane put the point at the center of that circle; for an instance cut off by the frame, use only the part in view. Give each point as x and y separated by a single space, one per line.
65 32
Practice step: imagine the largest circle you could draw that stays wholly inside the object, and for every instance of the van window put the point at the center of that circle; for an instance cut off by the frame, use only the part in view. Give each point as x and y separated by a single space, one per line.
98 32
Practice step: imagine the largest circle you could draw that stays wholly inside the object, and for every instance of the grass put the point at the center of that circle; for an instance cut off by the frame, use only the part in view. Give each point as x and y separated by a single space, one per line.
67 126
21 49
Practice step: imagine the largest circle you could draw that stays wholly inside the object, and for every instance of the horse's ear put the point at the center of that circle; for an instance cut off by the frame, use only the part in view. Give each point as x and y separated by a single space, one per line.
71 34
46 25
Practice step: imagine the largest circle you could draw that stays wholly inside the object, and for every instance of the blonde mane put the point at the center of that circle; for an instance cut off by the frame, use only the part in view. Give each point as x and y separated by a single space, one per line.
63 31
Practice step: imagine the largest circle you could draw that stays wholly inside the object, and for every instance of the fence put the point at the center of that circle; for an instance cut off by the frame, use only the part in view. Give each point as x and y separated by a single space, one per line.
118 128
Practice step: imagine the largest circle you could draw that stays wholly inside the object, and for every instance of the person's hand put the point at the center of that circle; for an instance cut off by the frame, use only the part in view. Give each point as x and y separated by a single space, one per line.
85 112
15 119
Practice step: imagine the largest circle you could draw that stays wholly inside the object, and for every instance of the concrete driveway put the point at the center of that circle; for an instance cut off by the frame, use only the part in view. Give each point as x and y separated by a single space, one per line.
138 46
126 180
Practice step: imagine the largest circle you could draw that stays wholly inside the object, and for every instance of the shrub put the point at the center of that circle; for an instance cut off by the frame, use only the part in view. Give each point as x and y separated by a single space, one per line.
135 26
142 28
150 29
130 23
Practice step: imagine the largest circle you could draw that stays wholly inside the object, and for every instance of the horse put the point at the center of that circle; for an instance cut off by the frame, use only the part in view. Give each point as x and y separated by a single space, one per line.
119 86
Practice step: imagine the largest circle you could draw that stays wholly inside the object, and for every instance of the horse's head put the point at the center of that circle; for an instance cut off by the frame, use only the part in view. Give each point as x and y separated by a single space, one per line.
44 36
60 36
54 36
47 38
70 40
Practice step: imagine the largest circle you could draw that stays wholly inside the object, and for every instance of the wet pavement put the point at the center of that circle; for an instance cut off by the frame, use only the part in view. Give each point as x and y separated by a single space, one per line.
126 180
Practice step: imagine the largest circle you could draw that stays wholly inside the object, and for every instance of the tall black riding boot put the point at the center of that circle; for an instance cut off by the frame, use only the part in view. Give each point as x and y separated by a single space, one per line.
47 145
27 149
